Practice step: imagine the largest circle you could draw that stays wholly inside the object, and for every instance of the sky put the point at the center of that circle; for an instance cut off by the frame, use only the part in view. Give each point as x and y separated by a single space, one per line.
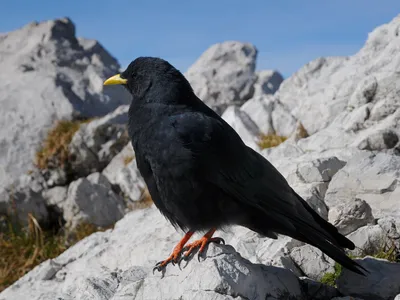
287 33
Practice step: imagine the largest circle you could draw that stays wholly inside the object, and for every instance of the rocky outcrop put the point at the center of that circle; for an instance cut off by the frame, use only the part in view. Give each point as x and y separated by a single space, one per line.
342 157
92 200
95 144
224 74
47 75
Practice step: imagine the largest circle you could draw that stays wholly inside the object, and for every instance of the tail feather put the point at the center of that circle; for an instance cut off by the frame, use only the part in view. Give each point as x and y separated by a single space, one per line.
327 238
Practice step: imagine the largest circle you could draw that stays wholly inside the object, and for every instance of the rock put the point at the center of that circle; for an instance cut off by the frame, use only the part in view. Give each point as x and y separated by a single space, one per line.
106 266
243 125
92 200
96 143
260 109
56 197
328 87
267 82
369 240
318 291
226 274
299 133
24 197
320 170
313 263
314 194
351 216
123 172
380 140
382 283
283 121
224 74
61 75
372 178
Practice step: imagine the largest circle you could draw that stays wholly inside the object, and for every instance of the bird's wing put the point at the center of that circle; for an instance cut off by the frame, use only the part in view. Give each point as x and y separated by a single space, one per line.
222 158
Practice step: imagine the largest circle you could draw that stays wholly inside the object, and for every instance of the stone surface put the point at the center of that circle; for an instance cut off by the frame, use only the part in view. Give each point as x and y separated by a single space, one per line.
351 216
92 200
381 284
116 264
23 197
373 178
243 125
318 291
313 263
224 74
260 109
58 73
95 144
267 82
369 240
123 172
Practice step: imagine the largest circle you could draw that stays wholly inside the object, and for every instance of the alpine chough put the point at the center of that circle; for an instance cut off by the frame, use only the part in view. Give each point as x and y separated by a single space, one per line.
201 175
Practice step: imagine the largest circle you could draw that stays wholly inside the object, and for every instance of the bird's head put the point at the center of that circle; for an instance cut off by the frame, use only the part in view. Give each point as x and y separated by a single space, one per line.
152 79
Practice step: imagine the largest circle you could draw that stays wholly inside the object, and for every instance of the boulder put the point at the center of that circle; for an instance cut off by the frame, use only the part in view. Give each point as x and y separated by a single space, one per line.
58 77
372 178
122 171
224 74
96 143
312 262
92 200
117 264
267 82
382 283
351 216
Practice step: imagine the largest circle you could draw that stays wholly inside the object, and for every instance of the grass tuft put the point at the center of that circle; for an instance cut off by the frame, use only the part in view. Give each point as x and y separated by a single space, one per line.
331 277
270 140
21 249
54 149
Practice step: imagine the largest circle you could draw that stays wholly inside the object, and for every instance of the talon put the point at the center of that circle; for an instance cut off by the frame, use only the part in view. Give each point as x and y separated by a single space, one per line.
201 244
176 253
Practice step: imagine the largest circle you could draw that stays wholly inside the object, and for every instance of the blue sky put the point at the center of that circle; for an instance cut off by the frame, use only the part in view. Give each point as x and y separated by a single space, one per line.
287 34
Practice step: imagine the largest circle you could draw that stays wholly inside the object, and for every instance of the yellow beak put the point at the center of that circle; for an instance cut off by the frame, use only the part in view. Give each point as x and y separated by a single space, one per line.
116 79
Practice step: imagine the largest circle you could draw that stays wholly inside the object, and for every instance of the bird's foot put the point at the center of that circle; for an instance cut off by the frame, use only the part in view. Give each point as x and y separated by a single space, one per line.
201 244
176 253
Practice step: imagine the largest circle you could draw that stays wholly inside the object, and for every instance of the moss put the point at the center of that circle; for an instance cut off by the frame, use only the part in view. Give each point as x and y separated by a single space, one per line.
331 277
55 147
21 249
270 140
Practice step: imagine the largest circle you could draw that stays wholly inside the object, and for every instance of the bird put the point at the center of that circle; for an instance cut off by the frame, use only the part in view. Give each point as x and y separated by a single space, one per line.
201 175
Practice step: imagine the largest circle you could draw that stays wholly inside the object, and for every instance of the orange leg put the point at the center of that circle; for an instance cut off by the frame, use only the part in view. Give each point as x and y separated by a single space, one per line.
173 258
201 243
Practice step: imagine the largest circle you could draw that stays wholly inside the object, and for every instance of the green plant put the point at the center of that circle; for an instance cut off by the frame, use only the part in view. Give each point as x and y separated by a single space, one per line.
331 277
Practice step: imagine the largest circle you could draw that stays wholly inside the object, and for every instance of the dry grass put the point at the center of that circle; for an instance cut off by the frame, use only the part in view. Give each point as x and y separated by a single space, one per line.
270 140
23 249
128 159
55 146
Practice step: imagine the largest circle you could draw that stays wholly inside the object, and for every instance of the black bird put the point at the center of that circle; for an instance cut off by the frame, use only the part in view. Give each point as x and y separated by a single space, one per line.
202 176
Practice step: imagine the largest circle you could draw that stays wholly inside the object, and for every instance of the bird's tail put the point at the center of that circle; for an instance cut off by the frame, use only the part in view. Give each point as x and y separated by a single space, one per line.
328 239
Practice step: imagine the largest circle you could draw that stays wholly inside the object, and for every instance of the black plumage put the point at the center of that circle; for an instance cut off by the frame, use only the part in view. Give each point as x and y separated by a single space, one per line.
202 176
